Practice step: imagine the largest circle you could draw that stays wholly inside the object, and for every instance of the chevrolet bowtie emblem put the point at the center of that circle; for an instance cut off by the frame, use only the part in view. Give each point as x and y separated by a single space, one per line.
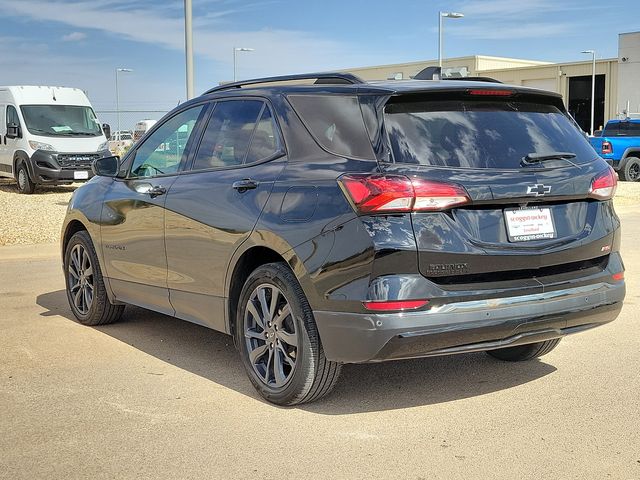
538 190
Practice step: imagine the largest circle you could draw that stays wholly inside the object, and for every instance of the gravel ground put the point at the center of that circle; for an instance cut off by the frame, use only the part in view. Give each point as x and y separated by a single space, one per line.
32 219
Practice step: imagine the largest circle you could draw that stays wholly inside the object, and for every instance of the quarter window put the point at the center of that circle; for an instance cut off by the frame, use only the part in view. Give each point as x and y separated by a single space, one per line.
163 151
265 141
226 139
12 116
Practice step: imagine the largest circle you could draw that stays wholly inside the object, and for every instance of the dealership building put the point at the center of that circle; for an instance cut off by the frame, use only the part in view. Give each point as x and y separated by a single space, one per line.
617 91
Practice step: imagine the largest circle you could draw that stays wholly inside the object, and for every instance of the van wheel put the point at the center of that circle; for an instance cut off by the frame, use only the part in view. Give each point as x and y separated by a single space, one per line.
524 352
631 170
86 291
25 185
278 339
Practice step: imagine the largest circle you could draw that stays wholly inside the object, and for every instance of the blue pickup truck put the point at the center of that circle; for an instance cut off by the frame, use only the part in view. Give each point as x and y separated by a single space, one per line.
619 145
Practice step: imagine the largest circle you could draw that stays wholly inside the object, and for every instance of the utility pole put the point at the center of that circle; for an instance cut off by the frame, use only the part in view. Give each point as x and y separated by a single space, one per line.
188 41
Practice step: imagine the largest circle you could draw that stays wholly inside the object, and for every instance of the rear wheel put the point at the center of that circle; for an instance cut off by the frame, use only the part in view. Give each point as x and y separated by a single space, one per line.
278 339
25 185
631 170
86 291
524 352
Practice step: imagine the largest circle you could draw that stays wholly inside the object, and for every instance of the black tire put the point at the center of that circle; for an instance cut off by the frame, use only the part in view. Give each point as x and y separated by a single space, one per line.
98 310
25 185
524 352
631 170
312 376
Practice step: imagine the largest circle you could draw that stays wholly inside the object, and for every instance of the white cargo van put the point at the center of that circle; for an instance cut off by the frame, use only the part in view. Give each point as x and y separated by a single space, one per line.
48 135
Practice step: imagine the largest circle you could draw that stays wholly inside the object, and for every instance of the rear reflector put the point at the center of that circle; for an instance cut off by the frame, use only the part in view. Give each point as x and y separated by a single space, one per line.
491 92
607 147
618 276
395 305
603 186
381 193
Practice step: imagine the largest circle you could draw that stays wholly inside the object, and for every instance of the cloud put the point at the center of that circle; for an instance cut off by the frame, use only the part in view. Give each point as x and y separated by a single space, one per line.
277 50
74 37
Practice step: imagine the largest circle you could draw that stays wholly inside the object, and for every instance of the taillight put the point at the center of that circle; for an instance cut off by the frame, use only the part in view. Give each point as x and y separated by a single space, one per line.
607 147
395 305
379 193
491 92
604 185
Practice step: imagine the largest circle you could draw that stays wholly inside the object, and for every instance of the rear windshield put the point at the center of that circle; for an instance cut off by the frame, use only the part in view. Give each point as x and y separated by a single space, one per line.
622 129
480 134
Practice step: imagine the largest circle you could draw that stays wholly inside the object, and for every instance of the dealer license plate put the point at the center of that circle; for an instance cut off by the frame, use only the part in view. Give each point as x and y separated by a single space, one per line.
525 224
81 175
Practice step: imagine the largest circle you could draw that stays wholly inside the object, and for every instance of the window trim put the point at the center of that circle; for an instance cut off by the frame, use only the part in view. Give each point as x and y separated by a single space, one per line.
281 152
131 154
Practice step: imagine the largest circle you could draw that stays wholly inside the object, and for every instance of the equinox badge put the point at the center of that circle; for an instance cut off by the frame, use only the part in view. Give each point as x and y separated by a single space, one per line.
538 190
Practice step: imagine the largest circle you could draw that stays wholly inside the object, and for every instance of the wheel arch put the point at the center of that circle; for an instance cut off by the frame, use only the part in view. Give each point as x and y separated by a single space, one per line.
250 259
22 156
73 227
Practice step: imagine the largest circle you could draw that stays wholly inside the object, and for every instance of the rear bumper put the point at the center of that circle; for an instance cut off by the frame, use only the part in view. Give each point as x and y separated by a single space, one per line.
468 326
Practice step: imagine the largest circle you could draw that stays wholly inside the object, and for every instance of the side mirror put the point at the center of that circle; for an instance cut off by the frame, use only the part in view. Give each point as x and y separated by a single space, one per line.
106 129
106 167
13 131
597 133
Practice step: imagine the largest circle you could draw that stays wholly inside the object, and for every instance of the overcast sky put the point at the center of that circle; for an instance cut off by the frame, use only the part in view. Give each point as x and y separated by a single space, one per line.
80 43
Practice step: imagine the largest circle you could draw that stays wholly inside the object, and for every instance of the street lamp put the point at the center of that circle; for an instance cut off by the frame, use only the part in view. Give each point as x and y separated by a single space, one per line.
118 70
593 86
442 15
238 49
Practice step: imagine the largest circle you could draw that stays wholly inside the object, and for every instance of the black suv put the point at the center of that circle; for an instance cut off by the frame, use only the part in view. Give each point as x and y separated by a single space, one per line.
341 221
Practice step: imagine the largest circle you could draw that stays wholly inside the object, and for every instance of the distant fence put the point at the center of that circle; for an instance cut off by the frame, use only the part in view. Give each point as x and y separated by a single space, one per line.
128 118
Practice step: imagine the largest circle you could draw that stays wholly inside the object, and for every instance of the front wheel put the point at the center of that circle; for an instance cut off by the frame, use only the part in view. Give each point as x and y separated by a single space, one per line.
25 185
278 339
524 352
86 291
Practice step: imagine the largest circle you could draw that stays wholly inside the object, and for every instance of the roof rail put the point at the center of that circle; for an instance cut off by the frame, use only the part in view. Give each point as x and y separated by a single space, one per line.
333 78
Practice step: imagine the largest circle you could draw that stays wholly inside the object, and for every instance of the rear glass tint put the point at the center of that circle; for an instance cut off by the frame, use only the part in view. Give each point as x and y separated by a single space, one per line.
335 121
622 129
480 134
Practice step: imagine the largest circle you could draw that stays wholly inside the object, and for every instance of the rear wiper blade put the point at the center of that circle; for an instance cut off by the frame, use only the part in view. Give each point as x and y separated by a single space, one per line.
531 158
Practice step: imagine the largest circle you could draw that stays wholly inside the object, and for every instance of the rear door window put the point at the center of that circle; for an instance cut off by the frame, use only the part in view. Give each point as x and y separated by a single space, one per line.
480 133
226 139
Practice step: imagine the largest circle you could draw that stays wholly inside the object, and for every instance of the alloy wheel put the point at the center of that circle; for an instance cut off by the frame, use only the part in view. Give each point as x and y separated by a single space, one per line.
81 282
270 335
634 172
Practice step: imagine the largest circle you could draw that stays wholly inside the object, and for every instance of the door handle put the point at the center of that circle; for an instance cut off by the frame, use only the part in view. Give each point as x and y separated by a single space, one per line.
156 191
245 184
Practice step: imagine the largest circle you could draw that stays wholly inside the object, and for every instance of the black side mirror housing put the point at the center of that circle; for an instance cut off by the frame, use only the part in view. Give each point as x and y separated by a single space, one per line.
106 166
106 129
14 131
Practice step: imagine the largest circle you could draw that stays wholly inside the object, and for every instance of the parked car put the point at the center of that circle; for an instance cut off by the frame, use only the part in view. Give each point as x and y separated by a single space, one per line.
141 128
349 222
50 136
120 141
619 145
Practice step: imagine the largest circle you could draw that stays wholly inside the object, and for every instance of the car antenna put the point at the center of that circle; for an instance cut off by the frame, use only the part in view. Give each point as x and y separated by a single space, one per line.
53 94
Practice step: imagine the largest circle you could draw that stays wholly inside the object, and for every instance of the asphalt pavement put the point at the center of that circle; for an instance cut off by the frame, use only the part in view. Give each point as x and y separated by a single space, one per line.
155 397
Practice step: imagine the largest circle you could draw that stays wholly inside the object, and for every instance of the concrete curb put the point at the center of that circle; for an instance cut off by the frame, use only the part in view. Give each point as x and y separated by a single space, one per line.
30 252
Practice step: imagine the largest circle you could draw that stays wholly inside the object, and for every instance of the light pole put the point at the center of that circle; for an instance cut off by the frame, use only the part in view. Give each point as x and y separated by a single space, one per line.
188 46
118 70
593 86
238 49
442 15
